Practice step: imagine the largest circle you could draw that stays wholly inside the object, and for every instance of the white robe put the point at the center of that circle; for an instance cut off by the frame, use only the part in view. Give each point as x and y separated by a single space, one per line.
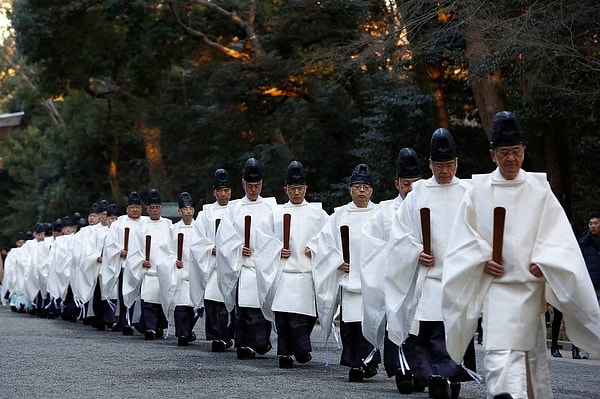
414 292
373 262
536 231
205 281
112 263
61 257
155 284
43 264
286 285
85 275
327 257
182 290
233 269
29 285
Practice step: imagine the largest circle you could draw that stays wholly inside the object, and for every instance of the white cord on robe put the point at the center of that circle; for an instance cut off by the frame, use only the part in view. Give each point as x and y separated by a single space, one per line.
478 378
403 362
369 357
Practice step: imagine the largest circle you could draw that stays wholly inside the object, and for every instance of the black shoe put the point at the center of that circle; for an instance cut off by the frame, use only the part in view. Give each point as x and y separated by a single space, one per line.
286 362
51 315
439 387
183 341
503 395
128 330
150 335
454 390
356 375
303 358
219 346
370 371
101 327
575 353
160 333
555 352
245 353
418 385
404 382
116 328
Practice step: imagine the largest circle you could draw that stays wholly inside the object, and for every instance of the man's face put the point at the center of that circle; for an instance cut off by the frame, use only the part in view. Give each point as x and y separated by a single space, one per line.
93 218
39 236
252 190
594 226
443 172
187 212
102 218
361 194
134 211
222 195
110 219
509 159
404 185
154 211
295 193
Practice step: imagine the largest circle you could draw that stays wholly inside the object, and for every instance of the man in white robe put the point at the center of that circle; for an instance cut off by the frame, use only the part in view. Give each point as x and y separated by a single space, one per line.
219 324
150 273
42 269
540 261
413 282
374 254
86 266
59 277
185 316
236 272
334 275
113 259
286 288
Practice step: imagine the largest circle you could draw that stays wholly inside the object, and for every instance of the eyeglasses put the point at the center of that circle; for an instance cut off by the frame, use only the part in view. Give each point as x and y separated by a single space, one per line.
296 189
361 187
505 153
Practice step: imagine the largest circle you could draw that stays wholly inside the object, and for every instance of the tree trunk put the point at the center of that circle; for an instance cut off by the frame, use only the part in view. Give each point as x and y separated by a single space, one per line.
436 76
486 91
558 166
156 167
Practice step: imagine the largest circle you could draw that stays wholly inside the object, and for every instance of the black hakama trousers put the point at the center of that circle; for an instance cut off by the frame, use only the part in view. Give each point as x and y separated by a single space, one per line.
252 330
355 347
426 354
219 323
293 333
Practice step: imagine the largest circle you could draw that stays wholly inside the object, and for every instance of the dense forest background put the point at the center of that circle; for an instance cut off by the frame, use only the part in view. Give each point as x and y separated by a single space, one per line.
138 94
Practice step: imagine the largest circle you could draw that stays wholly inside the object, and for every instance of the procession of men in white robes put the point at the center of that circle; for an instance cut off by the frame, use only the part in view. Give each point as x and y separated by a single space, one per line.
403 276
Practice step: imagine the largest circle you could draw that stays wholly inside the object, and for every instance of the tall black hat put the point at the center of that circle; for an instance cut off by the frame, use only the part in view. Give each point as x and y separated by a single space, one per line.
28 235
67 221
111 210
221 179
20 236
58 224
39 227
408 164
154 197
442 147
185 199
252 172
76 216
134 198
103 205
361 175
95 208
81 223
506 130
294 174
48 231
